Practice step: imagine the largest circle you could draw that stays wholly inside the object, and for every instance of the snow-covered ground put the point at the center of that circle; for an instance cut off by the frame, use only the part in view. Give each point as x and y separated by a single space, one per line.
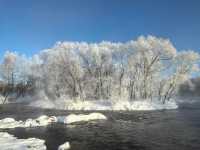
45 120
145 105
119 105
64 102
9 142
106 104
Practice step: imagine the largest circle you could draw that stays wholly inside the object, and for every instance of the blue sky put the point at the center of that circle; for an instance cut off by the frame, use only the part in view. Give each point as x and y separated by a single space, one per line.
27 26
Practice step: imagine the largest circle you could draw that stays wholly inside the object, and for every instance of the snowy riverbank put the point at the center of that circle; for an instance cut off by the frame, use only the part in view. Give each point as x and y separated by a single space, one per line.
42 101
105 105
119 105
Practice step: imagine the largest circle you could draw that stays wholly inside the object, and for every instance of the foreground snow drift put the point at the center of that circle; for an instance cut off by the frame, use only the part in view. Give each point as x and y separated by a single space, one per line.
9 142
45 120
120 105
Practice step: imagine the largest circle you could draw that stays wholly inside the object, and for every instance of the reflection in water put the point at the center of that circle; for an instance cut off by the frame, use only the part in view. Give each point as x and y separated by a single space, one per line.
156 130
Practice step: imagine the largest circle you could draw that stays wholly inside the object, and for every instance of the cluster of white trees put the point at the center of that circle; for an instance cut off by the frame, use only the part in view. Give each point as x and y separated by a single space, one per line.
147 68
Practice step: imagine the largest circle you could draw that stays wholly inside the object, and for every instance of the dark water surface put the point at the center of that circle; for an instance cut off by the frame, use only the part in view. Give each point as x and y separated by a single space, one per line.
136 130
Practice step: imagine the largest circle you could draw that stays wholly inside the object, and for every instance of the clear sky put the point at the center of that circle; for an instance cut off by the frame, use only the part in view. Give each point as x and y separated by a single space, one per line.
27 26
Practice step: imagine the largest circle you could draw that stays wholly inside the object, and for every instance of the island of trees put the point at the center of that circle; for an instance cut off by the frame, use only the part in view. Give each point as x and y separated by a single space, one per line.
148 68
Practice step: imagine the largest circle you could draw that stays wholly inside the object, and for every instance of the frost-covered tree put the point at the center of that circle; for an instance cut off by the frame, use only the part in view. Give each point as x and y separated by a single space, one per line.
15 71
149 58
8 67
98 67
148 68
120 57
8 74
185 63
62 70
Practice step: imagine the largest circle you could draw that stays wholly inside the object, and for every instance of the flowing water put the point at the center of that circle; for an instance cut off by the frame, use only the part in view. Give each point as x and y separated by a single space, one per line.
135 130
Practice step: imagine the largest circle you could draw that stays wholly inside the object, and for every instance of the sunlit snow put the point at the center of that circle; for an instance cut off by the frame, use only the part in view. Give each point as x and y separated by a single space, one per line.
12 123
45 120
72 118
120 105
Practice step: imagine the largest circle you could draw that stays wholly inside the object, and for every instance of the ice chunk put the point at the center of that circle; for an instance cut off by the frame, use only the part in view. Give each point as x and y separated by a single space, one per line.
64 146
9 142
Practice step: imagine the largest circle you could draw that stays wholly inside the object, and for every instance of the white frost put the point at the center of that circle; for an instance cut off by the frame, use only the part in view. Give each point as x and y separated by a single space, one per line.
64 146
9 142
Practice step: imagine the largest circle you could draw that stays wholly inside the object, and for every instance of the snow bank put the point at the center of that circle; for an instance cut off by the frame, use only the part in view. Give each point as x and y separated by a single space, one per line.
144 105
9 142
45 120
120 105
40 121
64 146
79 118
66 103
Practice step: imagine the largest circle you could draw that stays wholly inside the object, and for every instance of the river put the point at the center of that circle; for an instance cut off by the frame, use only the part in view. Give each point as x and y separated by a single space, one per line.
134 130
